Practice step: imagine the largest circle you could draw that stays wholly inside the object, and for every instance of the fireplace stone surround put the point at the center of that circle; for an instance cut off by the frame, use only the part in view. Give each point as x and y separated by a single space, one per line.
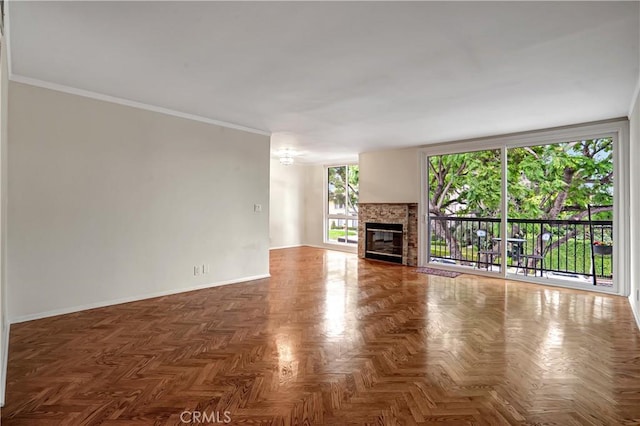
405 214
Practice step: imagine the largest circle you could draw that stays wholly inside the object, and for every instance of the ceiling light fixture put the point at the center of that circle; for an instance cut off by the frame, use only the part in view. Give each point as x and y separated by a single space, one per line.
286 157
286 160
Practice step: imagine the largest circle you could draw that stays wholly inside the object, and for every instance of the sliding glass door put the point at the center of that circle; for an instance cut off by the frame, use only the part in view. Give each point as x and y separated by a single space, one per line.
464 209
560 201
560 206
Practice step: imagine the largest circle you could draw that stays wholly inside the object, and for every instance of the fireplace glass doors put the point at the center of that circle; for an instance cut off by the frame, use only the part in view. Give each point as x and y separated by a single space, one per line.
384 241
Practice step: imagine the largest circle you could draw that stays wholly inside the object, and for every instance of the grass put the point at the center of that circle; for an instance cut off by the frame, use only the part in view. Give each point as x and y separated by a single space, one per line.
334 234
572 253
571 259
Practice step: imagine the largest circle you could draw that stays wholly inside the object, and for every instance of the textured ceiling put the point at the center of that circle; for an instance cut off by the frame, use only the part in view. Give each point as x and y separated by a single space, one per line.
333 79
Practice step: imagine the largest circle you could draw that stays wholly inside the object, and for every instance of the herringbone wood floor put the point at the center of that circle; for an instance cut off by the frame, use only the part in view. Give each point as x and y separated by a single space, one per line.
331 339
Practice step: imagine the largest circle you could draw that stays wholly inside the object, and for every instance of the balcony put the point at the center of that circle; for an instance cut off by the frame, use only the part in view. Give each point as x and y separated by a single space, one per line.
567 254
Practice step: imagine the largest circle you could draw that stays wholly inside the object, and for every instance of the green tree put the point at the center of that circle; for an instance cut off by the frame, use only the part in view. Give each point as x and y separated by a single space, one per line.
558 181
463 185
343 188
555 181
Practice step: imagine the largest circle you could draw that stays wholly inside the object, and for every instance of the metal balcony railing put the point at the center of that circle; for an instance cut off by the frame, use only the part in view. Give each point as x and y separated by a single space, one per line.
566 253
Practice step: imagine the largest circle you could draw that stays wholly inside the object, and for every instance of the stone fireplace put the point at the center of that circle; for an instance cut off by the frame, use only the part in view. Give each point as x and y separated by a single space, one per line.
389 217
384 241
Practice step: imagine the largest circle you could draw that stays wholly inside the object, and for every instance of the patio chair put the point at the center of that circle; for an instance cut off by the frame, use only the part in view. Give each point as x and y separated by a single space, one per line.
483 250
546 243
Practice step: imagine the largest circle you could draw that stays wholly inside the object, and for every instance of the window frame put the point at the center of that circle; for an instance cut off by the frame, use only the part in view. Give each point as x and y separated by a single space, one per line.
617 129
326 216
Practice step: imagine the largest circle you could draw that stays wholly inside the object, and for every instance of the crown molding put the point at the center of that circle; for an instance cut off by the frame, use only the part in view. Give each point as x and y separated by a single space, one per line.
134 104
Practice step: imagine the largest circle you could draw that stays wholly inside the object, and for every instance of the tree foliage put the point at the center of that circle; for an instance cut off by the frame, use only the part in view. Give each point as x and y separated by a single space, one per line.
343 188
465 184
554 181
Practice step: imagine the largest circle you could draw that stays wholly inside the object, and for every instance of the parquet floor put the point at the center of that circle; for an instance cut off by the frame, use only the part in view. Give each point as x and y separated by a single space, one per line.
331 339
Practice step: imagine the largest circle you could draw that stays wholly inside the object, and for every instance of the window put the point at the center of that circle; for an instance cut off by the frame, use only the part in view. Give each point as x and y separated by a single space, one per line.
341 216
543 207
464 209
551 191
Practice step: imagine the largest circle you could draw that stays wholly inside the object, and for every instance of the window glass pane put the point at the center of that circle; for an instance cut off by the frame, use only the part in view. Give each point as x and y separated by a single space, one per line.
342 204
464 209
336 230
551 190
352 232
337 190
352 190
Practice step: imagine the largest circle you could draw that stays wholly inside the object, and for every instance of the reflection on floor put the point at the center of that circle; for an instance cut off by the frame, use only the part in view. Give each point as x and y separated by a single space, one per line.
333 339
585 281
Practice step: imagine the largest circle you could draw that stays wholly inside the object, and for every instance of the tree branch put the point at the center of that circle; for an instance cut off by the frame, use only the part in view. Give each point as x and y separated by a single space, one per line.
602 148
455 200
582 214
532 152
448 185
555 208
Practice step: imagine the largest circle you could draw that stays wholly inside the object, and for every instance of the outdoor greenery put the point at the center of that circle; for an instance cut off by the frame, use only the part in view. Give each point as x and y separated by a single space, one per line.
572 254
555 181
336 233
546 182
343 188
342 206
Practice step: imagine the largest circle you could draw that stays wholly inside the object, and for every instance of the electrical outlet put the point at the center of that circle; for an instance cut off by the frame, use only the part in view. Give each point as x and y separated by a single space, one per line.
205 268
196 270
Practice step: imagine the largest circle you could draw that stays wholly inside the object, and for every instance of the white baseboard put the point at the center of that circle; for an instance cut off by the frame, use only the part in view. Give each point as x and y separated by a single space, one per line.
285 247
72 309
4 360
335 247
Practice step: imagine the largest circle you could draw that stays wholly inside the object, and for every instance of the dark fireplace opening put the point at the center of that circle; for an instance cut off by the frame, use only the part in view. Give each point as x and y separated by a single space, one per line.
383 241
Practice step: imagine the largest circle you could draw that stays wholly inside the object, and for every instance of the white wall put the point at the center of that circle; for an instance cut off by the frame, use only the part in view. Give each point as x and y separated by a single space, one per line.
286 205
4 321
110 203
634 150
391 176
314 206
